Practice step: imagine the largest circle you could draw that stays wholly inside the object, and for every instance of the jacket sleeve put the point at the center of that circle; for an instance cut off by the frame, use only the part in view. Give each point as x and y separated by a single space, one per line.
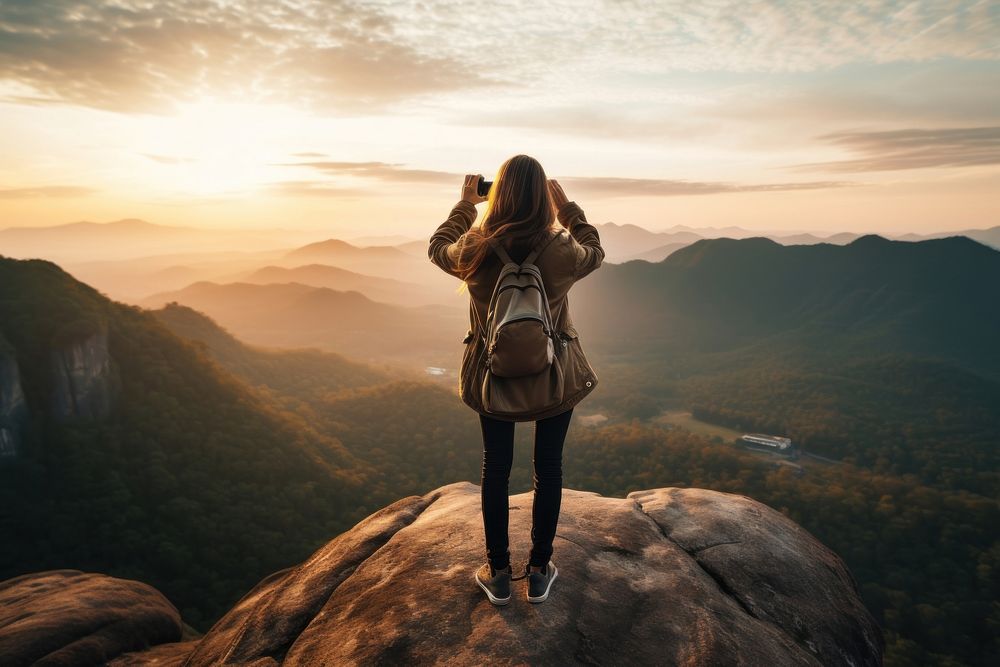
585 239
443 249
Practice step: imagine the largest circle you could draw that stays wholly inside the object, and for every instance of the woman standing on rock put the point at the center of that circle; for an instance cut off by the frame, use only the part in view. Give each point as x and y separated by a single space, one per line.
519 224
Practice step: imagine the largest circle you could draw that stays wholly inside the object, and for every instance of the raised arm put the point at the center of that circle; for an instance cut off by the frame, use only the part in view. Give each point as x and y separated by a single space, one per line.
586 240
444 248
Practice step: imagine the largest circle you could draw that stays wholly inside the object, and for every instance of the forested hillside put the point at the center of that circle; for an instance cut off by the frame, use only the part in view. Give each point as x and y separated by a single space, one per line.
221 462
191 482
927 298
300 372
879 352
927 559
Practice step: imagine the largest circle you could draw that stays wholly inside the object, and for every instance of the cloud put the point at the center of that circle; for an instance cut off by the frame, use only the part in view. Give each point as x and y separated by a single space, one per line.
369 56
769 112
383 171
60 191
557 42
313 189
651 187
167 159
791 111
594 185
605 121
912 149
144 57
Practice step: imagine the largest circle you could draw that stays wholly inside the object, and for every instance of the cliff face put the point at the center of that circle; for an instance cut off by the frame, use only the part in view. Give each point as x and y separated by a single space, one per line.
667 576
82 378
82 386
13 410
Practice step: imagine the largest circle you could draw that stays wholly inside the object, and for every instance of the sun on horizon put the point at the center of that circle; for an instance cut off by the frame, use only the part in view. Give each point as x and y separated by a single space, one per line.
361 119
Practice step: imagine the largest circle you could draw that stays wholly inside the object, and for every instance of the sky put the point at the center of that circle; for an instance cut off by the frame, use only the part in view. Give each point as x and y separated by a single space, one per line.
361 118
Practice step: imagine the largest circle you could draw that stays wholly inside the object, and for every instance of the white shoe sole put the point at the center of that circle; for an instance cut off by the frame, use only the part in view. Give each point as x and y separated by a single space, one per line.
494 599
541 598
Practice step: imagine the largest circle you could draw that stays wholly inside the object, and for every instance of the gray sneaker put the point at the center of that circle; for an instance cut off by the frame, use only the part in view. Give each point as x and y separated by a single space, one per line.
539 583
496 583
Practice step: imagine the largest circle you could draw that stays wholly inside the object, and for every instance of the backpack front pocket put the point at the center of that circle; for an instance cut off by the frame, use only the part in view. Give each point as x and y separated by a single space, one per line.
521 348
522 396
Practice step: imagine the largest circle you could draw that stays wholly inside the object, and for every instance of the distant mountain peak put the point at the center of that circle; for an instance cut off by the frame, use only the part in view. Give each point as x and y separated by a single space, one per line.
342 249
870 240
624 225
123 224
723 250
727 242
328 244
137 223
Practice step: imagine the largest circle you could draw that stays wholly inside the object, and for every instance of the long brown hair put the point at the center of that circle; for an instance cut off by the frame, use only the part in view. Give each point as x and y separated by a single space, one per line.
519 207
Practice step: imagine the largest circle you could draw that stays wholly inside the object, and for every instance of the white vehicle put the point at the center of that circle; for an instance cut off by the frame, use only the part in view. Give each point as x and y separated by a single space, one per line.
775 443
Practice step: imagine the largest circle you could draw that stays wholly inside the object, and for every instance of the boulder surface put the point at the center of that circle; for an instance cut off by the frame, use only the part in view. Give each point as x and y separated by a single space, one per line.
668 576
67 617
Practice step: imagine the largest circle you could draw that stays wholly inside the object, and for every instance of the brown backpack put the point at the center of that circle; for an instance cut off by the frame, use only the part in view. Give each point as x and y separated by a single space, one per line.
524 355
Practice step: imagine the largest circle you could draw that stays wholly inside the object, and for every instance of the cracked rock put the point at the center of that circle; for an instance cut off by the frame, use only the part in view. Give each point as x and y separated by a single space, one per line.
773 567
666 576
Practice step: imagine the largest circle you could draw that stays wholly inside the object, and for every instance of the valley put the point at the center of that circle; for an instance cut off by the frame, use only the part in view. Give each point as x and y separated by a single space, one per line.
221 419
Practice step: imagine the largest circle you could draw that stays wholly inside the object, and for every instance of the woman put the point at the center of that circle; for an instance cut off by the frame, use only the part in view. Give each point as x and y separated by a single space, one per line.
522 207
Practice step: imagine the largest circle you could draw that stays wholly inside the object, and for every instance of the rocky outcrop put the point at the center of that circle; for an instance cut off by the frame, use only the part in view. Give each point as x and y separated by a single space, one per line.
667 576
82 383
164 655
13 409
66 617
772 567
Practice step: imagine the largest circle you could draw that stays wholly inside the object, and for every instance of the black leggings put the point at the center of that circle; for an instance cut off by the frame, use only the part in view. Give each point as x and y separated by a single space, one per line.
498 456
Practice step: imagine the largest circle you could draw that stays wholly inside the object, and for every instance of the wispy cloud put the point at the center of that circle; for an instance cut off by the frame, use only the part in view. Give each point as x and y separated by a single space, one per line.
134 56
312 189
912 149
382 171
592 185
939 94
556 40
364 56
624 121
167 159
651 187
61 191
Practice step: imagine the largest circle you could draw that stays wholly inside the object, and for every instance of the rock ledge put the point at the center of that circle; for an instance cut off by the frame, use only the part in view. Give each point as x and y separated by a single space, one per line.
668 576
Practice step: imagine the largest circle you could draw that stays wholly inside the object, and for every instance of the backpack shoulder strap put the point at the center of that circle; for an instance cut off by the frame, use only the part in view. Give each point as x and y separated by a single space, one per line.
499 249
533 255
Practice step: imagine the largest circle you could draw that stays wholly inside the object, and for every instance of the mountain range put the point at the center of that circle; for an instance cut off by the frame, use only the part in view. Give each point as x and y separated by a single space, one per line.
927 298
347 321
157 445
132 238
857 352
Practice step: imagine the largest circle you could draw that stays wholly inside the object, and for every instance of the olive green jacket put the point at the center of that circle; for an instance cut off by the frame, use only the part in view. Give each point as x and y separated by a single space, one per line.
567 259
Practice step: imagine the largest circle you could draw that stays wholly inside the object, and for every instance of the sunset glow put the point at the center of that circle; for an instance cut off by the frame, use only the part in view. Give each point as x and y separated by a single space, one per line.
359 118
278 372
